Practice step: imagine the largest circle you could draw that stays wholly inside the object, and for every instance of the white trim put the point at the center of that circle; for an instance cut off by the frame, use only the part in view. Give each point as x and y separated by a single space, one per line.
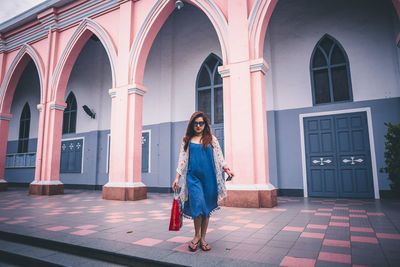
3 181
371 144
148 131
108 153
136 91
47 182
250 187
83 150
59 107
224 73
122 184
5 118
259 67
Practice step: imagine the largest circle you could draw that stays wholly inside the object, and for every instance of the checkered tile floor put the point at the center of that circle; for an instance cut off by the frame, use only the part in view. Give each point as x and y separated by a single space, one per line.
299 232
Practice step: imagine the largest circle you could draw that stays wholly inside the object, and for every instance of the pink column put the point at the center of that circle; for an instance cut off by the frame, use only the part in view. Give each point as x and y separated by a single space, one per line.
48 152
4 123
246 146
47 173
124 180
126 145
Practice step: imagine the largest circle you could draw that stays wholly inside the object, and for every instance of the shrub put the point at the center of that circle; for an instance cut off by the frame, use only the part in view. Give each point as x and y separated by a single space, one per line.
392 156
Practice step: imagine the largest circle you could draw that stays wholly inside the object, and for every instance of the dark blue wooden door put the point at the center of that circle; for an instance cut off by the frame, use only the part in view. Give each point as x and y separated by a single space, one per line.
338 156
218 130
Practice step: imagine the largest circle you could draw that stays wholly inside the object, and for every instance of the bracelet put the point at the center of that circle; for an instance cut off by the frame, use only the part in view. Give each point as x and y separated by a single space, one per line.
226 169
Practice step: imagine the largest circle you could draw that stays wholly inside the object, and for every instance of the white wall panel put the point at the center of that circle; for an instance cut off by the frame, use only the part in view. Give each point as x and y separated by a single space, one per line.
90 81
181 46
28 90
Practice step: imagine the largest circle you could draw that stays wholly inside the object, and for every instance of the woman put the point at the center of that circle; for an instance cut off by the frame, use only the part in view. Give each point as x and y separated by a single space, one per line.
201 163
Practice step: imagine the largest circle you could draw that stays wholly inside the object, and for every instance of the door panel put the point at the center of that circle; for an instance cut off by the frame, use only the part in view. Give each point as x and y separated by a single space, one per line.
337 156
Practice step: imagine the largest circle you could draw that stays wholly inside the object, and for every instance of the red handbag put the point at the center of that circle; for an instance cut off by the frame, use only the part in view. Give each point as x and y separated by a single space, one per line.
175 222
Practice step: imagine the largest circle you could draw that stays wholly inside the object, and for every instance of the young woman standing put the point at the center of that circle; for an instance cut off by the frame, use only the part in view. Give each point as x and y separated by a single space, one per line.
200 166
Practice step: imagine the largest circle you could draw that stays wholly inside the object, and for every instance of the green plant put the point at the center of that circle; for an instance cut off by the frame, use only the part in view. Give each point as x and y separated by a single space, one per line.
392 156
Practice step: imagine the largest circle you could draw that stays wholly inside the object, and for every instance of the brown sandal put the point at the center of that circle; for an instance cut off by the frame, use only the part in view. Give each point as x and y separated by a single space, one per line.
196 246
205 247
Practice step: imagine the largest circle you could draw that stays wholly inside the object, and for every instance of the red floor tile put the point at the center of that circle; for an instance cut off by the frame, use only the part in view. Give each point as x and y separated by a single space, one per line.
83 232
254 225
336 243
317 226
334 257
340 208
87 226
359 211
312 235
57 228
294 262
361 229
184 248
358 216
180 239
147 242
229 228
114 221
15 222
364 239
308 211
293 229
388 236
276 209
242 221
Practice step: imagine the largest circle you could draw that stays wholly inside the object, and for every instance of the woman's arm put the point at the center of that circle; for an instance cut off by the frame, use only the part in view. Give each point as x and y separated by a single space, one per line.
175 185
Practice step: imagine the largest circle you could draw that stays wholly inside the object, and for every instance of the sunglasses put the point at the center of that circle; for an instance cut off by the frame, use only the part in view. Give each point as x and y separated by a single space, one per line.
200 123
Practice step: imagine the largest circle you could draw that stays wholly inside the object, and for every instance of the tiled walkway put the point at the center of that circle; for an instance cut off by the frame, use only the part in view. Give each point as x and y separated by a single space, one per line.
299 232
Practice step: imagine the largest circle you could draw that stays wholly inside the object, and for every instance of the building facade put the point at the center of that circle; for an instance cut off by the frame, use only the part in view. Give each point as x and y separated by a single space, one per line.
97 94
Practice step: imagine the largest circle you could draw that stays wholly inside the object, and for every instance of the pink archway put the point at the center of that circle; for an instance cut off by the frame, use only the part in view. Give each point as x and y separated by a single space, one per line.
71 52
259 20
14 73
152 25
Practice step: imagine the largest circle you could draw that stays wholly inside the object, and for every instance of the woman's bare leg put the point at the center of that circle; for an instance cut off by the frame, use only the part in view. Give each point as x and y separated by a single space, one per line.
197 229
204 226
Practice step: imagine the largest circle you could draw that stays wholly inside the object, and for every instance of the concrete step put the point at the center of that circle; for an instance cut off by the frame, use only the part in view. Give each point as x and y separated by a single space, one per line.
22 250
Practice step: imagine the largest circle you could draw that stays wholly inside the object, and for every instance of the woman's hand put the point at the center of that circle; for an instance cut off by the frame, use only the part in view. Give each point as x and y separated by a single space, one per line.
175 185
228 171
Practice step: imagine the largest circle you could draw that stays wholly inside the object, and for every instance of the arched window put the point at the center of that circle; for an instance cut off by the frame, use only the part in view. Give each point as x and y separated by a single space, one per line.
209 90
330 72
24 124
69 120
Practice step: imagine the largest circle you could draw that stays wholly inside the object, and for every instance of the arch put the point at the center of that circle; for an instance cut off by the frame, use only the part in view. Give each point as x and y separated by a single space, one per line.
258 23
71 52
14 72
152 25
24 127
328 57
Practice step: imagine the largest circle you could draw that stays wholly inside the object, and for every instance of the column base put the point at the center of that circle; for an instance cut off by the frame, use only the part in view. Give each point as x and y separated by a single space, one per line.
124 191
3 185
46 188
250 196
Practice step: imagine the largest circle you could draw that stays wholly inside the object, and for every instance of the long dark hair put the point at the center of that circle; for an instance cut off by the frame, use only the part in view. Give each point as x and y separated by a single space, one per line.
207 134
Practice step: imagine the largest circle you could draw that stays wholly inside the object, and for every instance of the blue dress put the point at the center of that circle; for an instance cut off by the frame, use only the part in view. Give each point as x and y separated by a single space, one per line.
201 182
